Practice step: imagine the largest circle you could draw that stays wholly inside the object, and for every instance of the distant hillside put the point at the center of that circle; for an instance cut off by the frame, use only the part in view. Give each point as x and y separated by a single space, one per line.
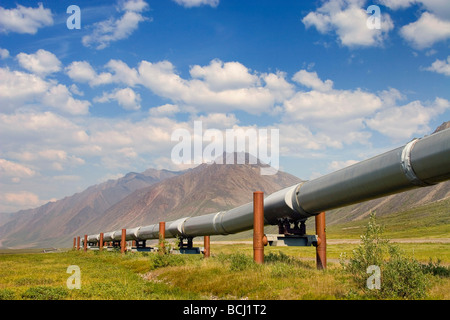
206 189
140 199
426 221
47 225
443 126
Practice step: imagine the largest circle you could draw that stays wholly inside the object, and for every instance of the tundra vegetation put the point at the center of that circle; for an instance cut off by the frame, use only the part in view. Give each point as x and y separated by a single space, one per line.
289 273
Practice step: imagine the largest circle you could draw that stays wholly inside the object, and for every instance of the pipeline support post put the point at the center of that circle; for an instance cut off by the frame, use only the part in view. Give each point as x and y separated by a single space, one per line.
123 243
78 243
321 249
258 227
100 246
85 243
74 243
206 244
162 237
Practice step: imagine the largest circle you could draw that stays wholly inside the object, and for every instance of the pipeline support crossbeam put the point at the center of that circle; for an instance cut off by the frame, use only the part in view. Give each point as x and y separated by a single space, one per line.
420 163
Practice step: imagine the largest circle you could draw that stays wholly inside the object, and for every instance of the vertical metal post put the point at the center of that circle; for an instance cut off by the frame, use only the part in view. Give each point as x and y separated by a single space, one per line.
162 236
321 249
101 242
206 240
123 243
74 243
78 243
85 243
258 226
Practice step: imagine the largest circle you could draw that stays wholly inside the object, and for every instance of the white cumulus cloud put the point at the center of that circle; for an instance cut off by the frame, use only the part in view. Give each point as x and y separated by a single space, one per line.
18 87
24 19
4 53
126 98
348 20
401 122
22 199
111 30
223 76
15 170
437 7
311 80
426 31
60 97
41 63
164 110
440 66
210 90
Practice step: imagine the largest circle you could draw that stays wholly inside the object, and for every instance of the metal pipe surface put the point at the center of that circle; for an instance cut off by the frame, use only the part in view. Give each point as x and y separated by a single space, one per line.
419 163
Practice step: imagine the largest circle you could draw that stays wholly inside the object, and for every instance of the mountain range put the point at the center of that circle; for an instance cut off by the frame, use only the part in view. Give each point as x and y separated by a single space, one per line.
140 199
52 223
161 195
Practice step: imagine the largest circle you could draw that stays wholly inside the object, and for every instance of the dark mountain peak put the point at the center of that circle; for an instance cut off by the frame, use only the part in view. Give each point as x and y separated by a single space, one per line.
204 189
443 126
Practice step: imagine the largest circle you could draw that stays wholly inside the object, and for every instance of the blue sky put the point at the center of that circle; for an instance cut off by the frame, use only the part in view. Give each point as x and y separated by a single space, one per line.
80 106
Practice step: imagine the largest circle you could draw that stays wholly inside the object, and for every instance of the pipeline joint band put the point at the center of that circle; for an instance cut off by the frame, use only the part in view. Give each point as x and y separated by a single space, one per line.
217 223
407 166
296 204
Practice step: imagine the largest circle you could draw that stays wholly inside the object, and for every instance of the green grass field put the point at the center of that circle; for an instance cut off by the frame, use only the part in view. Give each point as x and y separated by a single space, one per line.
288 274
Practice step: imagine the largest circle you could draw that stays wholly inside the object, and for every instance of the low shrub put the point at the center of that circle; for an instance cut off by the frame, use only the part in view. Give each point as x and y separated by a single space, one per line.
236 261
403 278
45 293
436 269
166 260
278 257
6 294
240 262
399 277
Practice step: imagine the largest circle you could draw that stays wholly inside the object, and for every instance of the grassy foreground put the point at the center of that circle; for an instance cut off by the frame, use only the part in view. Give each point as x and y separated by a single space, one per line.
289 273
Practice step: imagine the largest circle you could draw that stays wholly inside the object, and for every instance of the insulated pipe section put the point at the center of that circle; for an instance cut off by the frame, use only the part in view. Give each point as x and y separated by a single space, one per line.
108 236
132 234
175 228
422 162
117 235
149 232
276 206
430 158
93 238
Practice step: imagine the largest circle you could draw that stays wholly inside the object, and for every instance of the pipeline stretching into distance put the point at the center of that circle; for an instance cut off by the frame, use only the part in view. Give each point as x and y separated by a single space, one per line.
420 163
